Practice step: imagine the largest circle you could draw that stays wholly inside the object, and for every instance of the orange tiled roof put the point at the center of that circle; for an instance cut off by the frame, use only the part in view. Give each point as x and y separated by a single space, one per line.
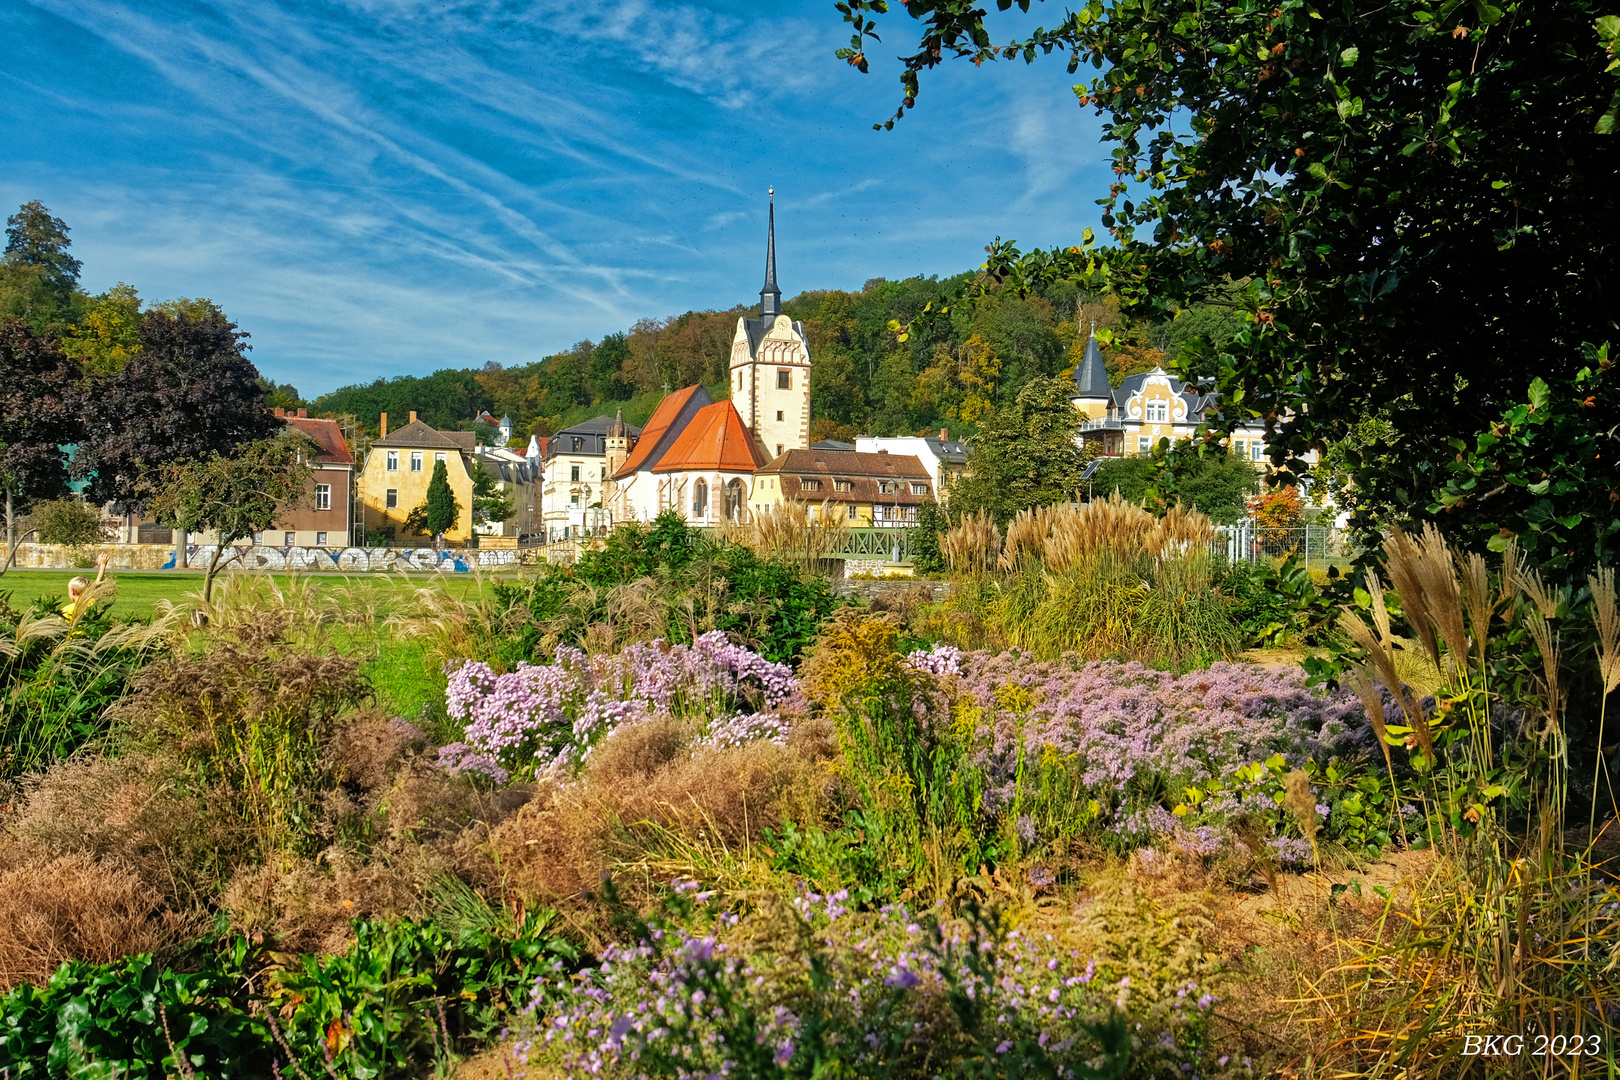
716 439
668 411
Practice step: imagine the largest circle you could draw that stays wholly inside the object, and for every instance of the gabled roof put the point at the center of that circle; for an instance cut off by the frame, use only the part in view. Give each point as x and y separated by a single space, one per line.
862 470
327 435
418 435
848 463
1091 377
668 422
596 425
716 439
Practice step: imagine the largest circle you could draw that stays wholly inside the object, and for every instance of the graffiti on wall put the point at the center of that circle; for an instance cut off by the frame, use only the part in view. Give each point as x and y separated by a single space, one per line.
263 557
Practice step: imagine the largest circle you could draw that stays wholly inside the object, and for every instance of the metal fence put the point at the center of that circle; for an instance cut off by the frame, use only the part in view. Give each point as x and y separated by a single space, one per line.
1310 545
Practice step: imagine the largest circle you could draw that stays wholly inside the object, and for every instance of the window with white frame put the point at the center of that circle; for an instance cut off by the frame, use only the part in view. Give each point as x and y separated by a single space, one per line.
416 461
919 489
1257 450
323 496
1142 442
393 461
809 485
439 456
1158 412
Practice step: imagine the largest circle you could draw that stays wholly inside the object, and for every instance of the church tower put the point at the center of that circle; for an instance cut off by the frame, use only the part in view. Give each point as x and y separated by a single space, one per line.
770 367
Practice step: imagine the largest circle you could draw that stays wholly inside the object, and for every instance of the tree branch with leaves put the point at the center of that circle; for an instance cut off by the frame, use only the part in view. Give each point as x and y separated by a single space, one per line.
234 495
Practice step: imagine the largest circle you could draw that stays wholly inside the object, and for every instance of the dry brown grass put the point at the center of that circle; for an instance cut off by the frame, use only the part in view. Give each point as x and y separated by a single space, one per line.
78 907
645 787
138 811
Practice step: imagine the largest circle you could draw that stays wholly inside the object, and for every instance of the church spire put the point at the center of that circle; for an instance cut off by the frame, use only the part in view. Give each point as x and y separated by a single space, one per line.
770 297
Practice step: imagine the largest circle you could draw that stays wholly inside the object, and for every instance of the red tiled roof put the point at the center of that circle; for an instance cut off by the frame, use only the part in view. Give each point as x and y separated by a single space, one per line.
668 411
716 439
327 435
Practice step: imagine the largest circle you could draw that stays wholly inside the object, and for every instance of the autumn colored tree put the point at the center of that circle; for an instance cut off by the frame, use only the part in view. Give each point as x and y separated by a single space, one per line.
1278 508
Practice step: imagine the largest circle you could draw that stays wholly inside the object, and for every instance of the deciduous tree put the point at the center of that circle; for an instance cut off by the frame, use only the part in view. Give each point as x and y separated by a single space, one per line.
233 495
39 414
1420 199
1024 454
188 394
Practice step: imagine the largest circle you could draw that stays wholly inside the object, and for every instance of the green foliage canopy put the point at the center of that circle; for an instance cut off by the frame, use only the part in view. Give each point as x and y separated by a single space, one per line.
1024 455
1420 199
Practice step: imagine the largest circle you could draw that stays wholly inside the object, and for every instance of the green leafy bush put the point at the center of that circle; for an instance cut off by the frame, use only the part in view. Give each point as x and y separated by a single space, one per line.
664 580
403 997
134 1019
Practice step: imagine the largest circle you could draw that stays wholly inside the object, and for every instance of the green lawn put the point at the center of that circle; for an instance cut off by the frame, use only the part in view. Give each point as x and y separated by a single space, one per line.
139 593
406 678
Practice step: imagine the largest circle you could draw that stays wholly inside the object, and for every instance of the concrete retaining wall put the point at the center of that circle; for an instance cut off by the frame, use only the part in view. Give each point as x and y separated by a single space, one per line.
264 557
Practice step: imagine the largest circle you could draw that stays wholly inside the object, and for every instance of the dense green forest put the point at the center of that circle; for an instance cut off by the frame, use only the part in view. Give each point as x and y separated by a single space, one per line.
948 374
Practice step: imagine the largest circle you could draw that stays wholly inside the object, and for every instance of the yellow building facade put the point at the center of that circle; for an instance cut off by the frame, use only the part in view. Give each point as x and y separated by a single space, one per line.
400 467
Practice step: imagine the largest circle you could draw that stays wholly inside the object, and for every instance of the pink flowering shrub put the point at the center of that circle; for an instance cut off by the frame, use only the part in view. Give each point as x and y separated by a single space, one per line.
1066 745
548 716
818 989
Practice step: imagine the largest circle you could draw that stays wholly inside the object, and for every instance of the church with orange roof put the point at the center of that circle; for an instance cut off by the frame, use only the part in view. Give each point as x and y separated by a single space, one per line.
698 456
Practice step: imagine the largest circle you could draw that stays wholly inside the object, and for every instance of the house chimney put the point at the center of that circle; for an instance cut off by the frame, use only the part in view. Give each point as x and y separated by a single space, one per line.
944 434
303 414
280 411
413 418
384 426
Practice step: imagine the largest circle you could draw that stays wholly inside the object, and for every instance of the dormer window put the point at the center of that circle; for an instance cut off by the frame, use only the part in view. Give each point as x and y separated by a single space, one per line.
841 485
579 442
919 489
809 484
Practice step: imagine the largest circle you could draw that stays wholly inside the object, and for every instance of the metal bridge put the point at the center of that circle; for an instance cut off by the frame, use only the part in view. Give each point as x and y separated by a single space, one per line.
888 544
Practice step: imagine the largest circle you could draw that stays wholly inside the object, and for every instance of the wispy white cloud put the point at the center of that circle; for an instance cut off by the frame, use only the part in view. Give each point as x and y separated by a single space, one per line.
378 186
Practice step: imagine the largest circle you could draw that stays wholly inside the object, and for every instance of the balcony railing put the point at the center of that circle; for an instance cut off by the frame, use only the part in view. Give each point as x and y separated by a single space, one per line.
1108 423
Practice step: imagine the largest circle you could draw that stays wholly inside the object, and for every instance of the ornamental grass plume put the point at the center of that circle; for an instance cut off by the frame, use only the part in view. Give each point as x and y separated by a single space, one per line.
1606 616
792 531
973 546
1025 543
1424 572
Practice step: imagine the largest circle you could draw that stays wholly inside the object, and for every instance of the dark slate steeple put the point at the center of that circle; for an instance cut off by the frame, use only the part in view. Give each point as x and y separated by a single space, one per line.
1091 377
770 297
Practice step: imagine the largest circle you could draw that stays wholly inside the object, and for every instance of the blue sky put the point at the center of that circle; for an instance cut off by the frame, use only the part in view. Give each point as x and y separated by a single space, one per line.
387 187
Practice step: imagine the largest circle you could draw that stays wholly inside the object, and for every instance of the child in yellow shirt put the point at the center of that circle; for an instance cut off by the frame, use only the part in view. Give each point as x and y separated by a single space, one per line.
77 587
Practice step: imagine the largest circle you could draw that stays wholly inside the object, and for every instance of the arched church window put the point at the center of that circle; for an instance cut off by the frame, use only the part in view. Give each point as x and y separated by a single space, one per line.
734 499
700 498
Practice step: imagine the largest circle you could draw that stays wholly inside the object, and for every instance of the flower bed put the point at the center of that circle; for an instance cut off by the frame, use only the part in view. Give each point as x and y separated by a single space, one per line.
546 717
1068 744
